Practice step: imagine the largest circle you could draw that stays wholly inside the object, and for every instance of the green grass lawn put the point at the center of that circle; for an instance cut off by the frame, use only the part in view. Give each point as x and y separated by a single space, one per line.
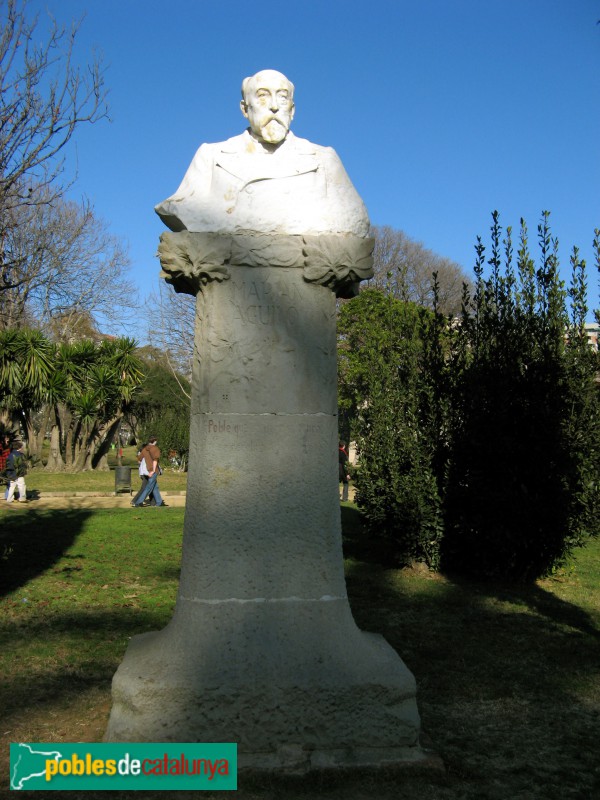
38 480
508 677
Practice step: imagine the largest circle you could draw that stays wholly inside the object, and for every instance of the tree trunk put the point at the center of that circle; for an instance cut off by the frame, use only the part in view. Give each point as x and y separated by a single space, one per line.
87 465
90 459
30 436
119 448
41 434
102 464
66 422
55 461
69 449
107 434
84 445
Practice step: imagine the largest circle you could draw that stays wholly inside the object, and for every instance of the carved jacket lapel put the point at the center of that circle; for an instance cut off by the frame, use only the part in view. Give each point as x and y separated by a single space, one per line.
291 159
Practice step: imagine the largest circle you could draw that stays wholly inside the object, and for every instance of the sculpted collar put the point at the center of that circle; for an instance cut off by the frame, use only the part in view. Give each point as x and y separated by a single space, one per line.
243 158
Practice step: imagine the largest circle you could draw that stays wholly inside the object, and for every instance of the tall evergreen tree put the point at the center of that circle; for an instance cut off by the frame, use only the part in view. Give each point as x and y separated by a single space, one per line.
524 429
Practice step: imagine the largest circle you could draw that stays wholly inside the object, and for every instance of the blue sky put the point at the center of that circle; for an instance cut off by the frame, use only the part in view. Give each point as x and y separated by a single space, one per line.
440 111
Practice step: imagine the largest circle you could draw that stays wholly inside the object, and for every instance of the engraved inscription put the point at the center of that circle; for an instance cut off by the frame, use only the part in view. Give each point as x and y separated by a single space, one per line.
309 434
265 322
266 302
220 426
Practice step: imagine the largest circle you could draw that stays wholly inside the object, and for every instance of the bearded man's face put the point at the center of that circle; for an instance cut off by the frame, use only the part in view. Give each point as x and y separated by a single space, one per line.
269 107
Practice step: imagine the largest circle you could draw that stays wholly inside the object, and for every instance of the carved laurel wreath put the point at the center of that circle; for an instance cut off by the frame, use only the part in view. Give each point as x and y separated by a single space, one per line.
339 262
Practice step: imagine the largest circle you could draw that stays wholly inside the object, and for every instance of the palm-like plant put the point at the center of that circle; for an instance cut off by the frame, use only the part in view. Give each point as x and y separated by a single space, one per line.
27 363
85 389
10 371
103 381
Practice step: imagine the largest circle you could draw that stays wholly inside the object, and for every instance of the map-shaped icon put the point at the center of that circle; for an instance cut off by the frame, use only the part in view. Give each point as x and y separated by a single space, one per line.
28 764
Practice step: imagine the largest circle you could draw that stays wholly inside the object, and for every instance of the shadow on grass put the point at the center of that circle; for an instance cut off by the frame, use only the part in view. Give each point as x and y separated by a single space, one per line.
32 541
359 546
104 634
507 677
168 572
357 543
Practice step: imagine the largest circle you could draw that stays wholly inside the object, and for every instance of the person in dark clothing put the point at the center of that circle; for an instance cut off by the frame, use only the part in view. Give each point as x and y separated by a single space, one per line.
343 470
16 469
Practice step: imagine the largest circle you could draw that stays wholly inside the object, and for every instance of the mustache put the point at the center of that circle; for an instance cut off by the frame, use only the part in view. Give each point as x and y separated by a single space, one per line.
273 118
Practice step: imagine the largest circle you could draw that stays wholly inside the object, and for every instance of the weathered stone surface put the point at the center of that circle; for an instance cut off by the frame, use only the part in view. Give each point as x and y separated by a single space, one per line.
262 649
191 260
302 685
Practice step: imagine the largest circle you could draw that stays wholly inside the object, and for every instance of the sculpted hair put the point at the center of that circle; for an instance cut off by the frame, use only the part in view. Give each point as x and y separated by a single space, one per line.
247 83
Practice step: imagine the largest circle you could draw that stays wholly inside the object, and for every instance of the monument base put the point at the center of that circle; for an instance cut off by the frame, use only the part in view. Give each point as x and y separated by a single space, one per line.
262 649
342 701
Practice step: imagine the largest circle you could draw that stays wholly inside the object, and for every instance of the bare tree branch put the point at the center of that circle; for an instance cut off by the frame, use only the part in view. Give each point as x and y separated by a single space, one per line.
44 97
405 268
172 330
61 266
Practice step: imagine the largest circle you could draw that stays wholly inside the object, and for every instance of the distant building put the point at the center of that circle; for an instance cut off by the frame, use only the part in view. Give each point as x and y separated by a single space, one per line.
592 329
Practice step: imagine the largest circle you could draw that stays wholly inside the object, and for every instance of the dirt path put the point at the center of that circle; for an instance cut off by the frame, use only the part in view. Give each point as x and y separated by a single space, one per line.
86 500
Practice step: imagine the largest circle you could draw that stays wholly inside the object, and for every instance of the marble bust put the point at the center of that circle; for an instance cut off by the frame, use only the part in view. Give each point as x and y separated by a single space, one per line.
266 180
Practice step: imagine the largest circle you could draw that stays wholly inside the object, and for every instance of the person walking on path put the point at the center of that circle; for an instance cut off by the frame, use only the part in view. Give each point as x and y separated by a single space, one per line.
143 473
16 469
343 470
152 457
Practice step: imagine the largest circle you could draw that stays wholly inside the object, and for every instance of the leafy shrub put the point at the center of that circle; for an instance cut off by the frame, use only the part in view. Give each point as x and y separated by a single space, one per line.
525 436
479 437
384 382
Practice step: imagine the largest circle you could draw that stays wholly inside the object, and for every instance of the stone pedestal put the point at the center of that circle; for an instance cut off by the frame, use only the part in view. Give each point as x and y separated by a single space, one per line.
262 649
